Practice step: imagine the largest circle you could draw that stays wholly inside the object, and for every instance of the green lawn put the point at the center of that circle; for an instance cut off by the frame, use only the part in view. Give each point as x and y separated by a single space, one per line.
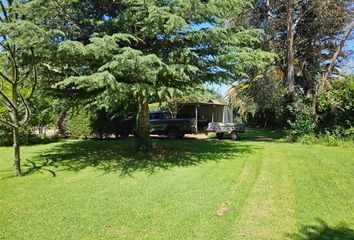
255 188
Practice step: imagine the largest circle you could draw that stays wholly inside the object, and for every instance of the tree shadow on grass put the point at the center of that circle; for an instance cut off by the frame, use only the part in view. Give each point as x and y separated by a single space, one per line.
322 231
120 156
263 135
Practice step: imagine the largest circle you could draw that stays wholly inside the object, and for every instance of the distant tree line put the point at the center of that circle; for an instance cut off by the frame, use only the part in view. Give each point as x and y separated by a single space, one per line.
307 80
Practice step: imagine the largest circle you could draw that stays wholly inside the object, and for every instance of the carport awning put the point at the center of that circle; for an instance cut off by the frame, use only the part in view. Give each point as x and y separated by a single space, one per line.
206 112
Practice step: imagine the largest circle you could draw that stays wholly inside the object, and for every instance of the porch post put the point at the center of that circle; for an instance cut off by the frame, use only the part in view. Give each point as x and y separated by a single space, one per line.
212 114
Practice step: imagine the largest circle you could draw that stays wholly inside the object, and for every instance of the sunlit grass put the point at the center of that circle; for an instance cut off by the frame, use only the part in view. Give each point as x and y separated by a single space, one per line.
255 188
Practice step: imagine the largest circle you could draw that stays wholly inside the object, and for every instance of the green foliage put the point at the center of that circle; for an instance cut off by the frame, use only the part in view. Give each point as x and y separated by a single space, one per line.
26 138
300 126
101 124
79 124
156 48
301 119
331 139
260 99
335 108
262 102
43 111
336 105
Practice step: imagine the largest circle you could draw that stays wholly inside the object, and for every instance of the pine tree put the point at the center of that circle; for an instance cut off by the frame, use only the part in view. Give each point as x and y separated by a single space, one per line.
153 48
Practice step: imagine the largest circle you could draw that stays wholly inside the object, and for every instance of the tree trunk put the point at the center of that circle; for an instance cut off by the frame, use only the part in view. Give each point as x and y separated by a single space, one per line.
62 125
143 125
15 130
314 106
290 47
17 158
266 117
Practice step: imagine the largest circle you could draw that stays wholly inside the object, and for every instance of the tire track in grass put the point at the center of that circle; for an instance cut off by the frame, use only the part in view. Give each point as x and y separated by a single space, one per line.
234 199
269 210
189 193
201 220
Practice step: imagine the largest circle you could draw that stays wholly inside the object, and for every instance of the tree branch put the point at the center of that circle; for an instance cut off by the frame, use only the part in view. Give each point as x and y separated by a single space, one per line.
7 100
68 14
13 63
299 19
27 111
336 54
4 122
5 78
35 74
4 11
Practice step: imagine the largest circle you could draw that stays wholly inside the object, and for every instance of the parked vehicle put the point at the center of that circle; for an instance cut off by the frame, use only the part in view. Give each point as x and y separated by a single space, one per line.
222 130
162 123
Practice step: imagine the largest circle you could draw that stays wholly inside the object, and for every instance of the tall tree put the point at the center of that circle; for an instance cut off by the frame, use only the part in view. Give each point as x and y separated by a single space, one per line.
17 63
152 47
20 41
305 35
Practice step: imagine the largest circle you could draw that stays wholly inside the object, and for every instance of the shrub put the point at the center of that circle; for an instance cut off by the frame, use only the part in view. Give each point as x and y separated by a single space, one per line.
307 139
336 105
105 124
301 126
301 119
79 125
100 124
331 139
27 139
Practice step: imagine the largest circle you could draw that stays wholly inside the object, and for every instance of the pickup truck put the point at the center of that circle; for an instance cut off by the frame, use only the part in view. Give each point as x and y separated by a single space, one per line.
161 123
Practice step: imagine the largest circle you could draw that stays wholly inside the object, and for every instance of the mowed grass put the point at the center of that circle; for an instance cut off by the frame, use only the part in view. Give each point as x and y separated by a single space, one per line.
257 188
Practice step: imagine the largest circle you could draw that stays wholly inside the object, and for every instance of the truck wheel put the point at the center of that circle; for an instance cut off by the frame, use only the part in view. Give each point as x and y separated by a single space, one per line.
233 136
172 133
219 136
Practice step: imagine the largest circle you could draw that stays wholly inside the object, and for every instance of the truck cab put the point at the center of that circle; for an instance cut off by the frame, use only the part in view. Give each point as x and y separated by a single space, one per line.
162 123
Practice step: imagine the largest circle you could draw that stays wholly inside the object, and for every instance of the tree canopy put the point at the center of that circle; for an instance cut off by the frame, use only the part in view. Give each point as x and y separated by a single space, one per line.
154 48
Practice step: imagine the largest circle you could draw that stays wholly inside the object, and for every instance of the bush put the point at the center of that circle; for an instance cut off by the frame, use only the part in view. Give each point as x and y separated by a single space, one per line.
307 139
301 119
79 125
331 139
27 139
336 105
301 126
105 124
100 124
